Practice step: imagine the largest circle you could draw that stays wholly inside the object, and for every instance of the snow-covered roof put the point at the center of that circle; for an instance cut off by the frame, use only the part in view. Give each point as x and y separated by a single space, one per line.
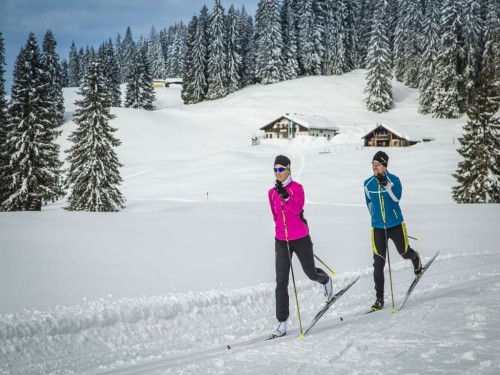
410 133
307 121
173 80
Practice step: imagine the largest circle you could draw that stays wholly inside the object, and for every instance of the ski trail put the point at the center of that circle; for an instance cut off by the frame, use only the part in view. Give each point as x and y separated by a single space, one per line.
154 335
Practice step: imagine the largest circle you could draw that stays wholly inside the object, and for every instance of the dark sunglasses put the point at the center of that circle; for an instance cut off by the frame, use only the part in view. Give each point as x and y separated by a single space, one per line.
278 170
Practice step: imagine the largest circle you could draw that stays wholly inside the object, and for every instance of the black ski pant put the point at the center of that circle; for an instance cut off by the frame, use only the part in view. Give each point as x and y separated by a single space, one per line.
303 247
399 236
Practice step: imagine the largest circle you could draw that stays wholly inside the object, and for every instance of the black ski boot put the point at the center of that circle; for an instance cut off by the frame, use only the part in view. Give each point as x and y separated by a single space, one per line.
378 305
417 265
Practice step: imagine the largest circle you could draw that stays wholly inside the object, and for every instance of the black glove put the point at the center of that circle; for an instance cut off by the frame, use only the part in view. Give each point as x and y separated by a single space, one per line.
281 189
382 179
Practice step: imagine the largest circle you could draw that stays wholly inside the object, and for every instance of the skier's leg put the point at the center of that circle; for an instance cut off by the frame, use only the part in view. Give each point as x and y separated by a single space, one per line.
282 264
400 238
379 247
303 247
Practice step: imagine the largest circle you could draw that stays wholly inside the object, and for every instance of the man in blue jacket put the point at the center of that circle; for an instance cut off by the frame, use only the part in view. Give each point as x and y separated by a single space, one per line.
383 191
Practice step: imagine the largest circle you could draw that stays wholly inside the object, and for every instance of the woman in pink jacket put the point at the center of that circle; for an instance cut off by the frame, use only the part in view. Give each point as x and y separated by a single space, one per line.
292 236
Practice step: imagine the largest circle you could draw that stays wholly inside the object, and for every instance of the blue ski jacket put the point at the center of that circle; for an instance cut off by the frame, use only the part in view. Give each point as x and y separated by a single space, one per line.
383 201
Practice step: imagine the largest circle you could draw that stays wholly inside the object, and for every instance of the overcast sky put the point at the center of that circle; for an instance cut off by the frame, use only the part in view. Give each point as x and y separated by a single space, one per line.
91 22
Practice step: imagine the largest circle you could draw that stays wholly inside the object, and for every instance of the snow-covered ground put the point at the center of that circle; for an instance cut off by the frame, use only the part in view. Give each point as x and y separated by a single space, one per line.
163 286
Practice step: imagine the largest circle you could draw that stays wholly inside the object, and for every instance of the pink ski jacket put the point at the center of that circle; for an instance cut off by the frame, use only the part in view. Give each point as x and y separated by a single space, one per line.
292 207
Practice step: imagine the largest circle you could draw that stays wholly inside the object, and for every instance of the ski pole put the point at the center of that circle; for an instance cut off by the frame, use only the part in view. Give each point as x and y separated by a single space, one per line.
323 263
413 238
389 265
387 252
291 267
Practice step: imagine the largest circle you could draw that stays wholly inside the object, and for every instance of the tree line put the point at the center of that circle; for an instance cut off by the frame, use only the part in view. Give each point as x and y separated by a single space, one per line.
448 50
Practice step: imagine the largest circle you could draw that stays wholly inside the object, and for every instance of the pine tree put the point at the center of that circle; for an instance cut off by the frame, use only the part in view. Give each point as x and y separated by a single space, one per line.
447 79
93 176
147 92
334 59
248 50
319 28
125 51
140 92
478 175
309 61
407 42
430 44
492 35
50 62
289 32
473 31
74 67
366 16
155 55
217 54
177 51
269 42
188 91
351 27
65 73
111 71
378 63
35 169
4 156
234 50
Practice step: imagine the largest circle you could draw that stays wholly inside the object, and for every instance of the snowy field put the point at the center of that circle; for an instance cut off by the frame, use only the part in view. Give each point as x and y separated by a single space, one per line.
187 268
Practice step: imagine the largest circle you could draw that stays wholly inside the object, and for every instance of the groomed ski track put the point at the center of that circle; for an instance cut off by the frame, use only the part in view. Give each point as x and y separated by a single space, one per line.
449 325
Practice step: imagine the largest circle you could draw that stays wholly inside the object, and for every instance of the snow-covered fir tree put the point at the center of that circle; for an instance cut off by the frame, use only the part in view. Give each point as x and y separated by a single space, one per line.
188 88
247 49
125 51
93 176
194 83
140 92
234 50
492 35
217 54
74 66
334 35
155 55
473 29
269 42
366 16
407 42
478 175
318 28
429 48
111 70
174 49
446 81
351 27
4 156
50 62
34 175
378 63
307 38
65 73
289 32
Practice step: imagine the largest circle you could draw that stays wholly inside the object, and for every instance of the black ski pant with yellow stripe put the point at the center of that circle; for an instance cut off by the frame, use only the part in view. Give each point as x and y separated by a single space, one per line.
399 236
303 247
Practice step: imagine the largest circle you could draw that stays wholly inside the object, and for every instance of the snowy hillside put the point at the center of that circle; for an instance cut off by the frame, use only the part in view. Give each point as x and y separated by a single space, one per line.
187 268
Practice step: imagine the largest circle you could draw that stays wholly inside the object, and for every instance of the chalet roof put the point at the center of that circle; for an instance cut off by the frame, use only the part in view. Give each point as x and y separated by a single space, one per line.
307 121
410 133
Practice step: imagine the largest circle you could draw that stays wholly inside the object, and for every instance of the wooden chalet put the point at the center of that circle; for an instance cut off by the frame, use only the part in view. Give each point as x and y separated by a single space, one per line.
388 136
290 126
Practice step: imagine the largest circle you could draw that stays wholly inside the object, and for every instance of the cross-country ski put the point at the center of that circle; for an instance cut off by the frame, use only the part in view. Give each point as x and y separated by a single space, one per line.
415 282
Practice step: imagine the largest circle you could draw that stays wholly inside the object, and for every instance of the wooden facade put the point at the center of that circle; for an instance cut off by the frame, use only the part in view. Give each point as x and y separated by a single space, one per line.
384 136
288 127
